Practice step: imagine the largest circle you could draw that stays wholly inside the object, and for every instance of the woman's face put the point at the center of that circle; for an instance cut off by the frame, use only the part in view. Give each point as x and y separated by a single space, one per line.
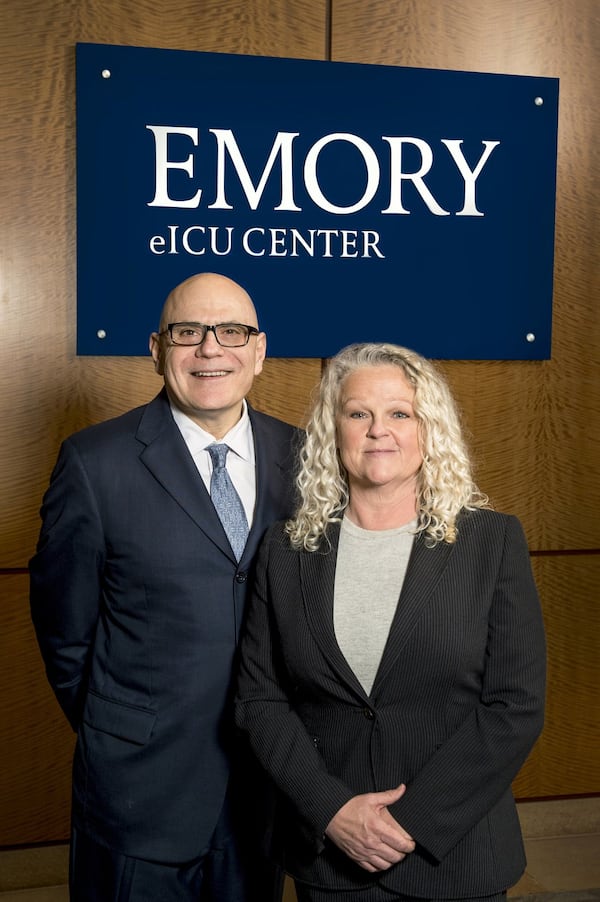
377 430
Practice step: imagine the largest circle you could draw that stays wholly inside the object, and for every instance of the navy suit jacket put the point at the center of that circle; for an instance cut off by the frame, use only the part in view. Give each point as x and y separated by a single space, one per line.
455 708
138 602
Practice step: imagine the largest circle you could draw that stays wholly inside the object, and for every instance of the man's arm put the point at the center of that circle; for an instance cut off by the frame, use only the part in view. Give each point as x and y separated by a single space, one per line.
65 579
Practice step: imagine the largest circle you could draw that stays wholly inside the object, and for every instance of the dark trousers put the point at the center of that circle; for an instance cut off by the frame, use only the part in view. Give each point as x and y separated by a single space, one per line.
220 874
375 894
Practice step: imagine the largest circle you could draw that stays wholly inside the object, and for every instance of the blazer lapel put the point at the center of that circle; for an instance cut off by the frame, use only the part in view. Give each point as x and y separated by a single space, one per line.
317 576
268 471
425 568
166 456
274 490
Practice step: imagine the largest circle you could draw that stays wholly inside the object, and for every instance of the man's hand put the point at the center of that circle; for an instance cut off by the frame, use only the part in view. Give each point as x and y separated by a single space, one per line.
364 829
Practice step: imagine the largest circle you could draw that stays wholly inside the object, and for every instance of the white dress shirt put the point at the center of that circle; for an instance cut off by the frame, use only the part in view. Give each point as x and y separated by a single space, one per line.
240 460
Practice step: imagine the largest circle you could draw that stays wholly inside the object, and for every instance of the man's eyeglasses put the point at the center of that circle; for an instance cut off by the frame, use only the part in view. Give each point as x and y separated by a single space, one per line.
229 335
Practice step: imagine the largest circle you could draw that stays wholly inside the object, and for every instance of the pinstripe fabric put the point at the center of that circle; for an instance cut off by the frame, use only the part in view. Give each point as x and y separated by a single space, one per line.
456 706
306 893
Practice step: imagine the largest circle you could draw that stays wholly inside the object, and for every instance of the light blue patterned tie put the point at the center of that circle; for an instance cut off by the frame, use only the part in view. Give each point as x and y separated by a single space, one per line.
227 501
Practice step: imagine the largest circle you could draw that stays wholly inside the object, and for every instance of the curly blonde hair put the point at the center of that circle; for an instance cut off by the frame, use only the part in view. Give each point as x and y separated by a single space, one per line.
445 483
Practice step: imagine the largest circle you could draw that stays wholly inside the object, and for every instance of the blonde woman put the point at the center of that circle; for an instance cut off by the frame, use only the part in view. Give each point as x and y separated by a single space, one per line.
393 666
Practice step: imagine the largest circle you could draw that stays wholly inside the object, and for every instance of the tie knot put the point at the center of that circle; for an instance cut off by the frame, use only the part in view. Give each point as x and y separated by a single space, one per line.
218 455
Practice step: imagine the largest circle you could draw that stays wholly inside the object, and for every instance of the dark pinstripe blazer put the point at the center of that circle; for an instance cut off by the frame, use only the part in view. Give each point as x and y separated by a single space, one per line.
456 706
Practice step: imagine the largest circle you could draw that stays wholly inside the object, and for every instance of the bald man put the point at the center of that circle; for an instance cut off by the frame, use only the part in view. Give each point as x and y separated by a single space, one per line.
137 598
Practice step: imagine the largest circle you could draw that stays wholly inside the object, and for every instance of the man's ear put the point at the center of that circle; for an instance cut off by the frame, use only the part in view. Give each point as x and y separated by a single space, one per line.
156 351
261 352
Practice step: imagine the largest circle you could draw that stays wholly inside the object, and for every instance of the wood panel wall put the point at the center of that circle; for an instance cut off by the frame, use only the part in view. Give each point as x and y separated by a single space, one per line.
534 426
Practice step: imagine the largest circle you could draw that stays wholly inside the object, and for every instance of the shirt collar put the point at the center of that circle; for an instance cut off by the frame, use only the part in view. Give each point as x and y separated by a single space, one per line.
239 437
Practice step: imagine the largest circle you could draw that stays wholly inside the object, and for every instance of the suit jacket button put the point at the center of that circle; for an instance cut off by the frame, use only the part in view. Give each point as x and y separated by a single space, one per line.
368 713
241 576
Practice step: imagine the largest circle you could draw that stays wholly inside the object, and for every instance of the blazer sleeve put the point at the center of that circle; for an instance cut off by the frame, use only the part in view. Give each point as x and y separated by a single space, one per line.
475 766
264 711
65 579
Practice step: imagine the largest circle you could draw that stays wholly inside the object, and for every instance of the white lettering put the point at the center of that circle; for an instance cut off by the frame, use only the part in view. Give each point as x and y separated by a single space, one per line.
163 164
397 176
278 243
214 231
185 241
156 243
348 242
370 242
198 240
173 235
469 176
282 145
298 239
310 173
246 242
282 152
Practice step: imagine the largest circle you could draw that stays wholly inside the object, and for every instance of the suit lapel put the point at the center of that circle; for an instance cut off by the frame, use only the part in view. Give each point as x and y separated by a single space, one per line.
166 456
317 572
270 488
425 568
317 576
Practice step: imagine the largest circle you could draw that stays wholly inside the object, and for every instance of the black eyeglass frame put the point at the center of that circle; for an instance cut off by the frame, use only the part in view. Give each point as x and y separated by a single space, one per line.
252 330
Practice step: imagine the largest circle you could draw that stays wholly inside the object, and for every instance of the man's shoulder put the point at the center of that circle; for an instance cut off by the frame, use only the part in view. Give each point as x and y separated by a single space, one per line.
274 426
123 425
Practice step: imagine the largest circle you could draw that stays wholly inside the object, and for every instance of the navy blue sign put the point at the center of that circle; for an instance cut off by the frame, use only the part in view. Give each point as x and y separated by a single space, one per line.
354 202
